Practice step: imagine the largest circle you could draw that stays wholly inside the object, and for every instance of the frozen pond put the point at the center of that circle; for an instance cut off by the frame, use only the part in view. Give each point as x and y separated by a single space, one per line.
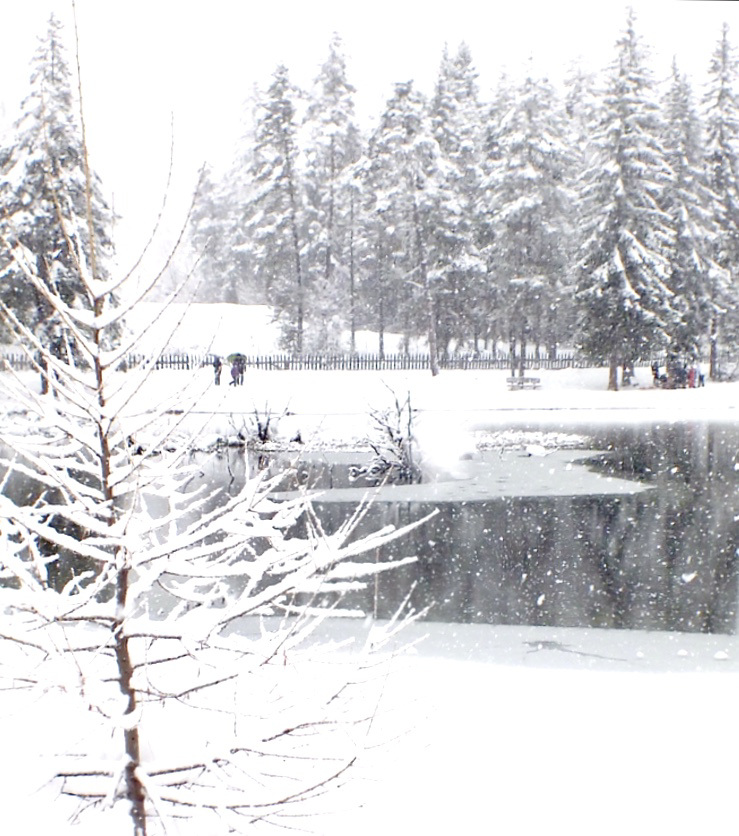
638 529
635 526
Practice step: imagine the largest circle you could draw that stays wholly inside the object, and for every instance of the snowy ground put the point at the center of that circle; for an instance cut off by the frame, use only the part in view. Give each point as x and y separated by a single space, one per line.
330 408
524 730
514 730
505 730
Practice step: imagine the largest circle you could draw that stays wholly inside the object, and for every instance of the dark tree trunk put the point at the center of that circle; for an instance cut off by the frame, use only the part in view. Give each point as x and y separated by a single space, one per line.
613 365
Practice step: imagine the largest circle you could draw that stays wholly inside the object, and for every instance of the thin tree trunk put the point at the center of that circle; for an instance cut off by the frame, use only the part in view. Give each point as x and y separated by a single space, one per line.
713 350
613 365
43 271
522 352
381 326
330 232
429 296
433 348
134 788
381 300
352 282
300 313
300 306
135 792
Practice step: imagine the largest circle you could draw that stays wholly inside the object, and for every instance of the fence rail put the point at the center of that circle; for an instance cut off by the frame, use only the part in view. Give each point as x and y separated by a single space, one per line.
361 362
401 362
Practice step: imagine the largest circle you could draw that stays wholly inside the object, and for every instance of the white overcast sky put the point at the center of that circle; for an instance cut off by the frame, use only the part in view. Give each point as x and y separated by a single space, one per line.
146 62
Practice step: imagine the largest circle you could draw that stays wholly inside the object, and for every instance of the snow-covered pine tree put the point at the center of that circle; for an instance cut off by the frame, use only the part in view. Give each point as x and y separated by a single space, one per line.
581 103
494 115
274 215
385 289
721 106
333 147
414 211
379 278
44 201
689 202
183 669
457 124
223 273
624 299
530 203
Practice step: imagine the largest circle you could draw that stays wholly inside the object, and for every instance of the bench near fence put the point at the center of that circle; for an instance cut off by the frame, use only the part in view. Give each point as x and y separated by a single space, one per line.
523 382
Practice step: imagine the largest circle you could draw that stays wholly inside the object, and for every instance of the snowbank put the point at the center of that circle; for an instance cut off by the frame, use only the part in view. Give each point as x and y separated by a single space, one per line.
449 411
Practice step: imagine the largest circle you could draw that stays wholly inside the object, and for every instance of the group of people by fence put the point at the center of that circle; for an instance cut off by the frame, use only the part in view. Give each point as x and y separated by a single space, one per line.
238 367
678 376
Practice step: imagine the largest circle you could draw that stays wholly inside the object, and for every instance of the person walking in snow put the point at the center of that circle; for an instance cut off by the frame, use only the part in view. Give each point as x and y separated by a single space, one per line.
217 369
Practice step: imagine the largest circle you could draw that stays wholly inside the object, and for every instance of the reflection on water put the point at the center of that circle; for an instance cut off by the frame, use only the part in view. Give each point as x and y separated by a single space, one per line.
21 487
651 544
639 531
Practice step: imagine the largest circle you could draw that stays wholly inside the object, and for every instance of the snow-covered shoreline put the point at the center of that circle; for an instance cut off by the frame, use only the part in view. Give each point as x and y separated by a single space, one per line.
334 409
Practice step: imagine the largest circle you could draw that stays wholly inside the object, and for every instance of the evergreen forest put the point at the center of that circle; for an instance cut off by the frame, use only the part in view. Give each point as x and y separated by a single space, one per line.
601 216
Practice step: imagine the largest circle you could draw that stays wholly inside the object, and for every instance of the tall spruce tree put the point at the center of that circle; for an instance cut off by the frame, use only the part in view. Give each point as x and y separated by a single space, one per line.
721 103
495 113
689 203
334 145
530 206
45 206
386 291
457 126
623 283
582 96
380 275
274 216
223 273
413 207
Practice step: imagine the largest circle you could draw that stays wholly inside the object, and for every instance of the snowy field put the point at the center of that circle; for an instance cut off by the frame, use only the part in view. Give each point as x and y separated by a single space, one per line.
482 729
334 408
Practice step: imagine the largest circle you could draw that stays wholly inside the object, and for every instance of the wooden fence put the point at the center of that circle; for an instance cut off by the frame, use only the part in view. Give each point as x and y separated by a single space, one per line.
356 362
400 362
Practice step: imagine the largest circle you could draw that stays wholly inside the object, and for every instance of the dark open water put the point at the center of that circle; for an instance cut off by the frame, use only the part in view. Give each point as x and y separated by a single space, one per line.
643 534
653 545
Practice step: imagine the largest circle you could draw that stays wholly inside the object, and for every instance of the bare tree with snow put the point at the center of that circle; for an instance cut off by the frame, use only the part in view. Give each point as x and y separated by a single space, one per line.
179 626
